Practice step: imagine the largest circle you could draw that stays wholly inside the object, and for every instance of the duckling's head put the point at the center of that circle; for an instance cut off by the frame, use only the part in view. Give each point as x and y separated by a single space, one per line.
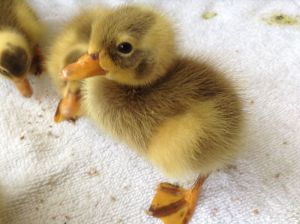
135 45
15 57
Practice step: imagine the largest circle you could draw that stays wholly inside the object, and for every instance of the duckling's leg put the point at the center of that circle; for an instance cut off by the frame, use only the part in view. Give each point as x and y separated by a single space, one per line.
69 106
23 86
176 205
37 61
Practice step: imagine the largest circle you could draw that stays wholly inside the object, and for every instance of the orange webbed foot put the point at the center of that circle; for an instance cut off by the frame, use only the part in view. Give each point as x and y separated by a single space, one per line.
68 108
175 205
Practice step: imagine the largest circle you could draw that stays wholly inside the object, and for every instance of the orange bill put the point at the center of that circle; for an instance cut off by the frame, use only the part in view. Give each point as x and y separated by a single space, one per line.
86 66
24 87
68 108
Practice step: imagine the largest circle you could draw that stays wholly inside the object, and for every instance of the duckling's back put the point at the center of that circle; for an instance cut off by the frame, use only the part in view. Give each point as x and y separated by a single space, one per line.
188 120
204 133
8 17
17 15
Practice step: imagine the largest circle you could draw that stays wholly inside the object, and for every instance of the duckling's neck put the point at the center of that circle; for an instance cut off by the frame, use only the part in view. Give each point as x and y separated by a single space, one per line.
141 79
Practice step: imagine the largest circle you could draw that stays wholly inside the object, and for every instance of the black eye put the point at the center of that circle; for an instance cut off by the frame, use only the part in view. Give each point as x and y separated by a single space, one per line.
125 48
3 72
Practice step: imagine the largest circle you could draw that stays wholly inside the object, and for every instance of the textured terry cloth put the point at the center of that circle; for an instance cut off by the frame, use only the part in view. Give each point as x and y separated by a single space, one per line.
73 174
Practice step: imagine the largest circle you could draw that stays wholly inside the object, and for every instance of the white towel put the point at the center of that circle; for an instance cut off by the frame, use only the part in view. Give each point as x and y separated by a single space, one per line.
73 174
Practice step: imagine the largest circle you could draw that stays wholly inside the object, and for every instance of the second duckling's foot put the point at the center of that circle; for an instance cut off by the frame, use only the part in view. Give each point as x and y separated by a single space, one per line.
175 205
38 61
68 108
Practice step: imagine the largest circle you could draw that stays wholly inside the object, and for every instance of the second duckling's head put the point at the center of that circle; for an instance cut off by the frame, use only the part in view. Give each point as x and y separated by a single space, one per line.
15 57
135 45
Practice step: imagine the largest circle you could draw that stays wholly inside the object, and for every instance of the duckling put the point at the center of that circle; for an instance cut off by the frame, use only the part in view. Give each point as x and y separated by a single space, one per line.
179 113
68 46
20 34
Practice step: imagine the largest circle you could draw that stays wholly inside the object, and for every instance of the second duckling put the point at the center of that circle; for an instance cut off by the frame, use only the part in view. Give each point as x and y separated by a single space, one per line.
68 46
20 35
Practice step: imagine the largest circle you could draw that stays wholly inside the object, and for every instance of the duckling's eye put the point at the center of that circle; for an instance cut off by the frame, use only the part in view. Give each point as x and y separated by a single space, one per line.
125 48
3 72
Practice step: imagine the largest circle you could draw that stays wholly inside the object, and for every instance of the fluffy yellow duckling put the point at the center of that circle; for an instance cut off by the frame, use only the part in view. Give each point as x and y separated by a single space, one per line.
20 34
179 113
68 46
